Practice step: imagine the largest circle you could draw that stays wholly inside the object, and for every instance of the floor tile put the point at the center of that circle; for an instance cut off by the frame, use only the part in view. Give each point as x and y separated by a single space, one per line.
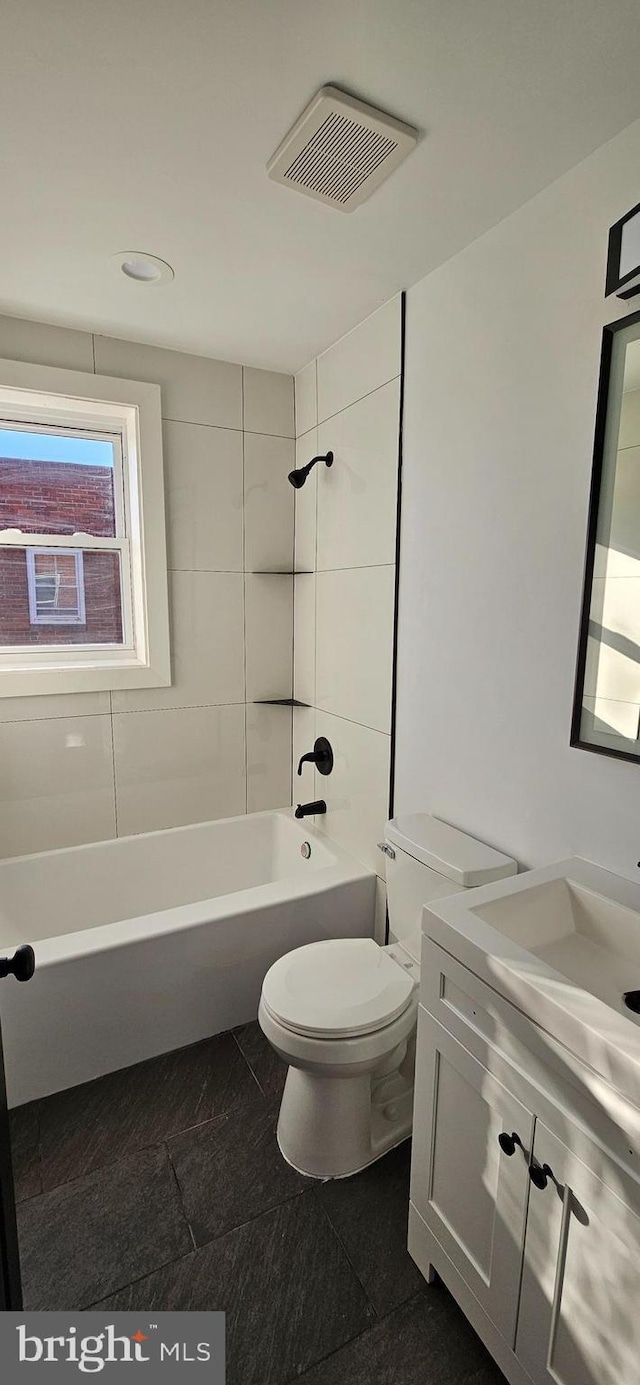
285 1283
86 1239
270 1070
24 1122
426 1341
231 1170
369 1213
98 1122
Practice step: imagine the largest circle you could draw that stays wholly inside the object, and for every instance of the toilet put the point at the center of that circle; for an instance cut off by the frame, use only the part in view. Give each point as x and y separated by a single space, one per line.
342 1012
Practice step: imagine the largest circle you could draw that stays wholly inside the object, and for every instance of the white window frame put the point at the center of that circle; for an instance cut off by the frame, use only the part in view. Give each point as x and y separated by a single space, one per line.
127 413
58 615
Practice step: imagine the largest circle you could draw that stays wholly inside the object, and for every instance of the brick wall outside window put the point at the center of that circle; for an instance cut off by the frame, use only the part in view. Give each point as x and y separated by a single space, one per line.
58 498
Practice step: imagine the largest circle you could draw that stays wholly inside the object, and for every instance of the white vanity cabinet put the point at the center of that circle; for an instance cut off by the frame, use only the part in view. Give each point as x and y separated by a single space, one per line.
473 1198
547 1268
579 1318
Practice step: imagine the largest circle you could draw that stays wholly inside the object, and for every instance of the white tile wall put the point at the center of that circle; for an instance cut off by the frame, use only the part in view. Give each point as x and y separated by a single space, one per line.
269 731
65 705
268 403
171 768
200 748
56 783
357 495
268 502
193 750
304 638
357 790
354 644
306 399
304 735
344 614
207 645
306 505
269 636
366 358
203 487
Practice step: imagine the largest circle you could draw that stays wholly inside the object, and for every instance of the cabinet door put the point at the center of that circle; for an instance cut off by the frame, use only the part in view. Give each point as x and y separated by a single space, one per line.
471 1194
579 1319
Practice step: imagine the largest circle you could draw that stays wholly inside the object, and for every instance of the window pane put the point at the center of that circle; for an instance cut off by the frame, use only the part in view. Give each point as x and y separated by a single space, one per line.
59 598
51 483
57 586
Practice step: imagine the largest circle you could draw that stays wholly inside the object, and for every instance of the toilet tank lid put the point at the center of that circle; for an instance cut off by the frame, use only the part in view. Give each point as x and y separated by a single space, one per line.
448 851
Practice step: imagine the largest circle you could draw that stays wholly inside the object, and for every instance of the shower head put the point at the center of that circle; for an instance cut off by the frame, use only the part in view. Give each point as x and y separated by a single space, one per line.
298 478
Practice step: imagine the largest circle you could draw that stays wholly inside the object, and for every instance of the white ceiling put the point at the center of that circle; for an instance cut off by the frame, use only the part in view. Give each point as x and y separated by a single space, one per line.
147 124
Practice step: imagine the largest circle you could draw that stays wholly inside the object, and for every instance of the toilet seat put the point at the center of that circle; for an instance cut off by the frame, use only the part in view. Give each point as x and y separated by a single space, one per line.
337 989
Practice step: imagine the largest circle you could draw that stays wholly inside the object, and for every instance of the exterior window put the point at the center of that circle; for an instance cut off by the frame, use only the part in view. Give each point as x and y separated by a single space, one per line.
83 597
56 587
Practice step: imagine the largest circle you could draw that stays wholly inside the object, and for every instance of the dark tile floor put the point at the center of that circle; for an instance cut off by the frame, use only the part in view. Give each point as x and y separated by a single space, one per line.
162 1186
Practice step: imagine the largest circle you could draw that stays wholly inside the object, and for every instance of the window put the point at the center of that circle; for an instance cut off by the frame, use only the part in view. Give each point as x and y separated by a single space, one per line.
83 599
56 587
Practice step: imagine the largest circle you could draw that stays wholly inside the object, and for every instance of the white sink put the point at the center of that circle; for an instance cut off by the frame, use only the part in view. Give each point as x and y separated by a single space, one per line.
563 944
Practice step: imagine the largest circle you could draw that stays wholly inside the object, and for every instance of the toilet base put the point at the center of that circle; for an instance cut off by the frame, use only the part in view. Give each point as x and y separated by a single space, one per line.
334 1177
334 1127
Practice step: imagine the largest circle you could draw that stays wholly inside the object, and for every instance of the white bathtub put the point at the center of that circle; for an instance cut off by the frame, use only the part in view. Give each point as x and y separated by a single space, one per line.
151 942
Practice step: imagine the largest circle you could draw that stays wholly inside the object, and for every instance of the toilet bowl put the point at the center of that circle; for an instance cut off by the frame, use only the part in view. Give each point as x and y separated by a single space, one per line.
342 1012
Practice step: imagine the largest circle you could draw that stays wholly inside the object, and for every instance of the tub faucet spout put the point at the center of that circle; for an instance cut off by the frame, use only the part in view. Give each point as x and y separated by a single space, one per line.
306 810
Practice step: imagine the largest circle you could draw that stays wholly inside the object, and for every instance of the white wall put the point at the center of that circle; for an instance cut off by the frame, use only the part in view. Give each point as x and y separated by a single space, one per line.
347 401
85 767
503 347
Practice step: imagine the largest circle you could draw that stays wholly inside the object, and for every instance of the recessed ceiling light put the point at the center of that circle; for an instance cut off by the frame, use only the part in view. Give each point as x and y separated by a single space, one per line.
142 268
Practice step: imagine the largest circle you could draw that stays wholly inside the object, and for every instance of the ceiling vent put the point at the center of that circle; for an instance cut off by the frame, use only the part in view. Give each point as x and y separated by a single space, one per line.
340 150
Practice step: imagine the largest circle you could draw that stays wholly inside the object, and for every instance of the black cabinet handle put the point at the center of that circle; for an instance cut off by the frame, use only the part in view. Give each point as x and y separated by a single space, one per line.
22 965
508 1142
540 1175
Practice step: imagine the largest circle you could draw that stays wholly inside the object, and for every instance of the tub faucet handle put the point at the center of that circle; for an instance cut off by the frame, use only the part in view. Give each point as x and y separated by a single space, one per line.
321 756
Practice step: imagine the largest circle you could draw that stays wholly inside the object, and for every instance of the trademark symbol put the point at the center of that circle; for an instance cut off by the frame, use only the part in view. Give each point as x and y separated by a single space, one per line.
153 1327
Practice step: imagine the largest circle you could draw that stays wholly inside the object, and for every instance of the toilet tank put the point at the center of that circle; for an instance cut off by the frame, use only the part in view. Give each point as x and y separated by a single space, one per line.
427 859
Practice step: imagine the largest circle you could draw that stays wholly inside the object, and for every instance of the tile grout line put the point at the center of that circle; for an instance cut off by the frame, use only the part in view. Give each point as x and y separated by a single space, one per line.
345 1252
165 1145
322 1360
294 601
113 764
358 400
178 1258
130 712
139 1280
364 725
380 1318
253 1074
225 428
244 605
122 1288
315 588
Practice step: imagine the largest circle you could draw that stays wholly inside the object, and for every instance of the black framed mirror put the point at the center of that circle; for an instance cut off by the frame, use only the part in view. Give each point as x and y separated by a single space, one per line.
606 711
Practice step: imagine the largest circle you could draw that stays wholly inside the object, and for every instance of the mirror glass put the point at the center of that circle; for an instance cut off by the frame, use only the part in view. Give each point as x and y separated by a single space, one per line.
607 706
